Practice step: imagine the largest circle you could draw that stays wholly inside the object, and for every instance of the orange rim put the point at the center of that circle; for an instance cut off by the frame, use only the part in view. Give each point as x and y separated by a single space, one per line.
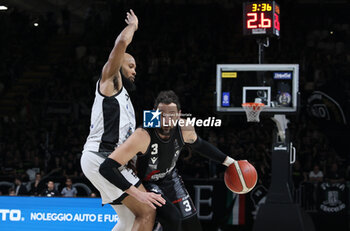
253 106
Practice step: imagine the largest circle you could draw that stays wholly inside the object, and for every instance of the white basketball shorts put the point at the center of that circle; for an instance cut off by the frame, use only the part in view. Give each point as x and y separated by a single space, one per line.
90 164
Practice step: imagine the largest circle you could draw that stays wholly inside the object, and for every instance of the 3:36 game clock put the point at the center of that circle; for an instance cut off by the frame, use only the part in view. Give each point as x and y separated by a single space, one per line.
261 18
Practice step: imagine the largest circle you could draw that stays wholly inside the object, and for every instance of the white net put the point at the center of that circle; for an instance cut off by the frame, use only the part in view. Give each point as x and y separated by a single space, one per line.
253 110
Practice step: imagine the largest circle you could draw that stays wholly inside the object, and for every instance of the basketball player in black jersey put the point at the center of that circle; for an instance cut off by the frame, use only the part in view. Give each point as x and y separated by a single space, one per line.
159 149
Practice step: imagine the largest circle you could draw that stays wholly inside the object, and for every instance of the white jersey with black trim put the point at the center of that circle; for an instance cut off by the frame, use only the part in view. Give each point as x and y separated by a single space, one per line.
112 121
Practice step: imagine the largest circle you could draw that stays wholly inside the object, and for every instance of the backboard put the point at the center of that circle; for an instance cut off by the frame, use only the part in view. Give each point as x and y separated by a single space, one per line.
275 85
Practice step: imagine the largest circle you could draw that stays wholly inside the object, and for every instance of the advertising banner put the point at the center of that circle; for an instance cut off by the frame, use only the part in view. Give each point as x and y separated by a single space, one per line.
49 213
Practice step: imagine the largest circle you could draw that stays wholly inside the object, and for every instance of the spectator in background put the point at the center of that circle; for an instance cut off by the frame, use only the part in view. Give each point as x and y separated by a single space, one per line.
20 189
56 166
12 192
334 175
69 190
298 175
37 186
70 171
93 195
50 191
37 164
316 175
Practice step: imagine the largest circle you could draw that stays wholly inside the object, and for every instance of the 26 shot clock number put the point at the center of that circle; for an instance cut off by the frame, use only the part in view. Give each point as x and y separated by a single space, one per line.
261 18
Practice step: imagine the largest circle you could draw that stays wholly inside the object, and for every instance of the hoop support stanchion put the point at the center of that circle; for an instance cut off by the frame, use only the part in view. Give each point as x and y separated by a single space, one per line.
281 123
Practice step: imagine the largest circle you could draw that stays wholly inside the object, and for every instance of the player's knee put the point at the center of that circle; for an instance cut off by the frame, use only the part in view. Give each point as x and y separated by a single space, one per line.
106 170
146 216
148 212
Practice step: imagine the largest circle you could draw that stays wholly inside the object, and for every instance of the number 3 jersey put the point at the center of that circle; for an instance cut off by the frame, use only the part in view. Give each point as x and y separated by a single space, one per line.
161 156
157 169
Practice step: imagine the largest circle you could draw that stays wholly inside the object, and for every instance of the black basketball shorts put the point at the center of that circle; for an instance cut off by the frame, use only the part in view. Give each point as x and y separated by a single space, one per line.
172 187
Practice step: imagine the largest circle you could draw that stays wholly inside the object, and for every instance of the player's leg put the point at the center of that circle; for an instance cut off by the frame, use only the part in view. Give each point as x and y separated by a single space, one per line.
126 218
168 215
189 218
144 214
90 164
177 193
171 218
191 223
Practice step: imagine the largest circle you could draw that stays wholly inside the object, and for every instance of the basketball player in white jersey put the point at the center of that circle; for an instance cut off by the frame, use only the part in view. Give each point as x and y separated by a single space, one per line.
112 122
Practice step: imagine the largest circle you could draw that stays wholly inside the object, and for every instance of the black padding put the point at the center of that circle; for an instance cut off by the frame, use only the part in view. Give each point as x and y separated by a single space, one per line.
109 170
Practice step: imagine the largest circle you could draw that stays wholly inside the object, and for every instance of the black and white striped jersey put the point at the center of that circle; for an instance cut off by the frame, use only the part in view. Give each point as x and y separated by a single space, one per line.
112 121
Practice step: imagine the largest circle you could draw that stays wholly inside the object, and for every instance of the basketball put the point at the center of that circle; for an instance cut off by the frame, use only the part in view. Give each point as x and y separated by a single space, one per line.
240 177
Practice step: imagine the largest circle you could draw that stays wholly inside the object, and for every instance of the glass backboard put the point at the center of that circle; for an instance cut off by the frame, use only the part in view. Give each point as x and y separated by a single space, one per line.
275 85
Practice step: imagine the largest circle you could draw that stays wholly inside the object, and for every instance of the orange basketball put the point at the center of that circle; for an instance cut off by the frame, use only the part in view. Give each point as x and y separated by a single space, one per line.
240 177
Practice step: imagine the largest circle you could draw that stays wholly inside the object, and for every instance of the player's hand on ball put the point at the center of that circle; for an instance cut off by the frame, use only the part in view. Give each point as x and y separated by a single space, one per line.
131 19
151 199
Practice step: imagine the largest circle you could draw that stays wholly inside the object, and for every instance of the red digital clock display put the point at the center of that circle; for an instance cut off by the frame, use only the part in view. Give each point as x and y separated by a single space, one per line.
261 18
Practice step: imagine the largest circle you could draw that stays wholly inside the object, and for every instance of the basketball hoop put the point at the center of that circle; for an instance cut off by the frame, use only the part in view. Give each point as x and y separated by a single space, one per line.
253 110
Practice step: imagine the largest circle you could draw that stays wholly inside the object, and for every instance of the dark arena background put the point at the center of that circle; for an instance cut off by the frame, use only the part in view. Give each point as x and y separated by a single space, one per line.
52 53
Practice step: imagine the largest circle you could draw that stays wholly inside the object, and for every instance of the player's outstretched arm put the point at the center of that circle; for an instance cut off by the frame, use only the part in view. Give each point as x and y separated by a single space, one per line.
109 169
115 59
137 142
203 147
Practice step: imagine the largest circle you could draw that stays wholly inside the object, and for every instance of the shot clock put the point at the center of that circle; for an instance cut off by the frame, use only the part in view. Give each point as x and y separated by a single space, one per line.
261 18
